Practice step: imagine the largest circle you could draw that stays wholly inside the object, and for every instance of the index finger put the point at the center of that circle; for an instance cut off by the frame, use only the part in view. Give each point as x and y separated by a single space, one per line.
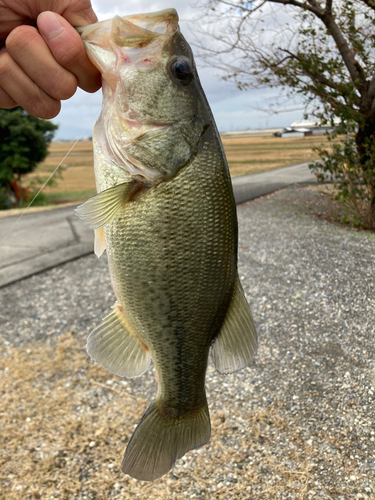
67 48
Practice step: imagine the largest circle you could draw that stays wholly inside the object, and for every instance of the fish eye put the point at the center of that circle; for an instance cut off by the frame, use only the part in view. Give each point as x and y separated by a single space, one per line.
181 70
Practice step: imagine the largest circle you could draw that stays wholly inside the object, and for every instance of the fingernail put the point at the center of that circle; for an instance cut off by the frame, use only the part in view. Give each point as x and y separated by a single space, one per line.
49 25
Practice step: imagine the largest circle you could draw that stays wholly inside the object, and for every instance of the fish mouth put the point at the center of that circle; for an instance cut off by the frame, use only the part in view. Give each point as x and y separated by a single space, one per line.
134 31
137 39
163 22
120 42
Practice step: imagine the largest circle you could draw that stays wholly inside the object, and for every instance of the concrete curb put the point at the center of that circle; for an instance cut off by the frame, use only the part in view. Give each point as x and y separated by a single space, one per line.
43 262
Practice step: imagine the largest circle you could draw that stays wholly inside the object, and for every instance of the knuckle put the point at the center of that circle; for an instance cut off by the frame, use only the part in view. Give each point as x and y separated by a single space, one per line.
6 67
44 108
20 37
5 100
63 86
92 85
69 56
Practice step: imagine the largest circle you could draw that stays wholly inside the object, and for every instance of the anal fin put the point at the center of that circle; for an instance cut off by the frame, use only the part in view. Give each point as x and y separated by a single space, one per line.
236 343
114 346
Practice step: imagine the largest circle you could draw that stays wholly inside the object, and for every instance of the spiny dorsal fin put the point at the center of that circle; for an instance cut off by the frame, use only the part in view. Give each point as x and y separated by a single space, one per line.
114 345
236 343
99 210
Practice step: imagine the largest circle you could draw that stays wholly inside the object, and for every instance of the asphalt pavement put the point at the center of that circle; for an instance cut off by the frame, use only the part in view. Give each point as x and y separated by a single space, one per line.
251 186
43 240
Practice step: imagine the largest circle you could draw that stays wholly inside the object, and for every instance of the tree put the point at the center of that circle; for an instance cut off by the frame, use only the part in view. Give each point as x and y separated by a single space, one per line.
322 51
24 142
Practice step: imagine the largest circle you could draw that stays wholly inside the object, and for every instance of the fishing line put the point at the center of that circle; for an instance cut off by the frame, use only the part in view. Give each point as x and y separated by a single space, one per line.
40 190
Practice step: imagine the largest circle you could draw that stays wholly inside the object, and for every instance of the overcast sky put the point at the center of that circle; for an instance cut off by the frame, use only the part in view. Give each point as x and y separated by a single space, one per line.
232 109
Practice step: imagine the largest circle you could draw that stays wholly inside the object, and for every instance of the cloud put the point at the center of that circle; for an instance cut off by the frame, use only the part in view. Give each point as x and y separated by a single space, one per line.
105 9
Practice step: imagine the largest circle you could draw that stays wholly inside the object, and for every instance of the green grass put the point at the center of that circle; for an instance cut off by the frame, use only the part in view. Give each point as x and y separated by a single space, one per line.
51 167
65 197
267 147
253 162
72 153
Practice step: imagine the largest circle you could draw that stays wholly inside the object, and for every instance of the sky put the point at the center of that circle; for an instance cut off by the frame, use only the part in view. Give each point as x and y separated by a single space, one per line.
232 109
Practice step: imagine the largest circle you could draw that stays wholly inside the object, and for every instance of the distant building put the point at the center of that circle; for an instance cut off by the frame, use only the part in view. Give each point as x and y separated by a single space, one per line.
306 127
251 133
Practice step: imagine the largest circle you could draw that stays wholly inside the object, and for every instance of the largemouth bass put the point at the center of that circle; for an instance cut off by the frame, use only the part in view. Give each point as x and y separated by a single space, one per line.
166 215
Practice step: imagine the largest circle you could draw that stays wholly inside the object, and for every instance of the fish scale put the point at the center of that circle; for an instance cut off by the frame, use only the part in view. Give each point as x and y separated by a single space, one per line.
165 213
180 290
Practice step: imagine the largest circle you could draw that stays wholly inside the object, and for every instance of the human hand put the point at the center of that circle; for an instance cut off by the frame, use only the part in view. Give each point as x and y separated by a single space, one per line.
42 57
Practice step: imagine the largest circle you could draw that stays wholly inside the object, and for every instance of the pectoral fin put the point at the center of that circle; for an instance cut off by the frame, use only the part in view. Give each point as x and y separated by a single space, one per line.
236 343
100 209
114 345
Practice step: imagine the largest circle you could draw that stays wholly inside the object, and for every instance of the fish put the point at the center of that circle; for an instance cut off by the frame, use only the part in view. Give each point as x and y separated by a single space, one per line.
165 214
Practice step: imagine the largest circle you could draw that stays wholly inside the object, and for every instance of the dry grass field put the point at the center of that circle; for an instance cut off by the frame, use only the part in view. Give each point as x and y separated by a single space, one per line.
66 426
76 180
246 155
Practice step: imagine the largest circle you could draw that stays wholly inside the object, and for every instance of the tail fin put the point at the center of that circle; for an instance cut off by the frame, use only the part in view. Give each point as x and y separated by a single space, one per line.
159 440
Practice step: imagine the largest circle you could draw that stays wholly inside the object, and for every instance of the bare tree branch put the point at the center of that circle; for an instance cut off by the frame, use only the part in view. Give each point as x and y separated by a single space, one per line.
311 8
325 54
237 6
239 41
355 70
370 3
314 74
369 99
328 9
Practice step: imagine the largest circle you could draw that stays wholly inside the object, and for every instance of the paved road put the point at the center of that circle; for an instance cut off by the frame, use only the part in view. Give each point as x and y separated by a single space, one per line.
41 241
46 239
249 187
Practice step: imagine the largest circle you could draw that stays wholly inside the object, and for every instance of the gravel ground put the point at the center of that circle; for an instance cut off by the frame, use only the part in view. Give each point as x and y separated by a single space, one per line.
299 423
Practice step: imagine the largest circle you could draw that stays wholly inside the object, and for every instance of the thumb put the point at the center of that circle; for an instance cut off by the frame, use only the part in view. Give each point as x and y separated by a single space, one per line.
80 13
68 50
